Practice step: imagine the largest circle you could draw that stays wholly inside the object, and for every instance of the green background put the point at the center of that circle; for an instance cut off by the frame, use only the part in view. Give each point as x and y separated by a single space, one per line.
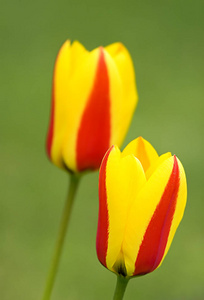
165 39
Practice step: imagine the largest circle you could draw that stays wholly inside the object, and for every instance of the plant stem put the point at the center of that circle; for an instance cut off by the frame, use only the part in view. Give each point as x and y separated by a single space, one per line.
74 181
120 287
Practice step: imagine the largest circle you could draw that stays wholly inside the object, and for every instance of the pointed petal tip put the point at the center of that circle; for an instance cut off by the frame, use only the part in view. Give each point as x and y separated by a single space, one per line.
140 139
67 43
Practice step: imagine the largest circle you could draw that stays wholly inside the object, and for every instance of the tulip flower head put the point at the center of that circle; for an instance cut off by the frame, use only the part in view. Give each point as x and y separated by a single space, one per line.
93 99
142 197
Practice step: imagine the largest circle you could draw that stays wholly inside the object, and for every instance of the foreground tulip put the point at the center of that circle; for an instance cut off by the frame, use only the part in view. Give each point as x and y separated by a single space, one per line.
142 197
93 99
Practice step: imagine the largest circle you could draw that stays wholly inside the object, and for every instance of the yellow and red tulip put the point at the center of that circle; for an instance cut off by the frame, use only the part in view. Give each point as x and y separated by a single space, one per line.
142 197
93 99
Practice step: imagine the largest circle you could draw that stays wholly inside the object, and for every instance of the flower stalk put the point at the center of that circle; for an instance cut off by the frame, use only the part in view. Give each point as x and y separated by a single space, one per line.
120 287
74 182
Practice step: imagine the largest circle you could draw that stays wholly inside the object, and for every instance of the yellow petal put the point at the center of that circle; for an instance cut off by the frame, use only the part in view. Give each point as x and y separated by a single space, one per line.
61 78
124 178
142 211
124 64
156 163
179 210
78 51
143 150
80 87
123 90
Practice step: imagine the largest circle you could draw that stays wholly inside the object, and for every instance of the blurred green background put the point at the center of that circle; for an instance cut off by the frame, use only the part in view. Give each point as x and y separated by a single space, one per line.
166 41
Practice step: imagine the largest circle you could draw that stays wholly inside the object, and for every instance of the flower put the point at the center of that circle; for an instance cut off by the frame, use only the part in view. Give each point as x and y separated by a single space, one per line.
142 197
93 99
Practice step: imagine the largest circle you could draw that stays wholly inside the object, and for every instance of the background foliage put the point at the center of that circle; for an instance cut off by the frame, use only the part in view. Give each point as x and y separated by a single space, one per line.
165 39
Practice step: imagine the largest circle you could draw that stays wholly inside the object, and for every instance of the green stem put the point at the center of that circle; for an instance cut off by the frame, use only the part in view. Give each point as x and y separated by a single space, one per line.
74 181
120 287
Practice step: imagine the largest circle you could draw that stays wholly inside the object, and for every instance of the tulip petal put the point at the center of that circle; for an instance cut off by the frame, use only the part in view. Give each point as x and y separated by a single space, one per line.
142 211
93 139
156 236
84 113
124 63
180 206
124 177
143 150
59 97
157 163
103 222
124 98
78 53
67 60
150 219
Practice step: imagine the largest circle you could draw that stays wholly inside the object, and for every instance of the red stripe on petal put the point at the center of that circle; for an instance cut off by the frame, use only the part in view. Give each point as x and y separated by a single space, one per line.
156 236
51 125
103 222
94 133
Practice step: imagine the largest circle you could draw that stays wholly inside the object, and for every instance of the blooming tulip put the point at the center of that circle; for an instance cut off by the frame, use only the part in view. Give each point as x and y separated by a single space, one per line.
142 197
93 100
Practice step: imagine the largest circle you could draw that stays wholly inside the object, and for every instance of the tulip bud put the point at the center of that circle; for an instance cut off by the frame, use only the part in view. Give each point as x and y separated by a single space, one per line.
142 197
93 99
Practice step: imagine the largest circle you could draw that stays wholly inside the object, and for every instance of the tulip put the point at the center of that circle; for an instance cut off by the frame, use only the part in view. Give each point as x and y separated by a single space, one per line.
93 99
142 197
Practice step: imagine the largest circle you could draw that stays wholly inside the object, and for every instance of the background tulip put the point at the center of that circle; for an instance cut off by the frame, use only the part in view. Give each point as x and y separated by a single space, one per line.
93 100
142 197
